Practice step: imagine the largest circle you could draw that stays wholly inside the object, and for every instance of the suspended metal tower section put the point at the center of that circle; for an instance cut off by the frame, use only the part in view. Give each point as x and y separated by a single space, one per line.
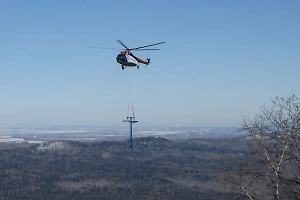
131 120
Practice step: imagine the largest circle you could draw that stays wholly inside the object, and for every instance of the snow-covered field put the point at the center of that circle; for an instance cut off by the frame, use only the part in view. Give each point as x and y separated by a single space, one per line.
9 139
93 134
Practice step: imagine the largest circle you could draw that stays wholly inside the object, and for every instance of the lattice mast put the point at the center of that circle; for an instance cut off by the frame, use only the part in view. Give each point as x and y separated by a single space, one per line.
131 120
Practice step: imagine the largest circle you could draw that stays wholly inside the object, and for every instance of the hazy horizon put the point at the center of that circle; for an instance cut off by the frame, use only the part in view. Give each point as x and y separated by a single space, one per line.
125 125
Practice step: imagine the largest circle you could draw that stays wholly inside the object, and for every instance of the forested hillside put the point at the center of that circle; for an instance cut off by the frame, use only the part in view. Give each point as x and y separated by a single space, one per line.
155 168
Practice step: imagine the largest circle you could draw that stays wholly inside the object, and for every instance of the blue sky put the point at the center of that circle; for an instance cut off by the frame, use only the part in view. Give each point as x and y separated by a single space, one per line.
221 59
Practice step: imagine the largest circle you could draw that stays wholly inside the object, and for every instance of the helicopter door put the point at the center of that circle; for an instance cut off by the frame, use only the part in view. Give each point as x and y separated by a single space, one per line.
131 60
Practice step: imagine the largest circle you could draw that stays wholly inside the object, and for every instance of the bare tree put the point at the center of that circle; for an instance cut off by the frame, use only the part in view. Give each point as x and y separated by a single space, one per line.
272 168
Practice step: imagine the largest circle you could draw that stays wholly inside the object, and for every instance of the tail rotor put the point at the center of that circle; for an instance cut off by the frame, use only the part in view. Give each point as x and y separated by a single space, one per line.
148 60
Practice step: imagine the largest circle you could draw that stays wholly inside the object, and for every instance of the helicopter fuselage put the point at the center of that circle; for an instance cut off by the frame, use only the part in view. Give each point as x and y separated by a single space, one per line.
127 60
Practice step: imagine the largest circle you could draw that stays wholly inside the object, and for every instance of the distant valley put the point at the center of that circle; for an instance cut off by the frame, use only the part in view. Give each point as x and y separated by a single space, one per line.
38 134
155 168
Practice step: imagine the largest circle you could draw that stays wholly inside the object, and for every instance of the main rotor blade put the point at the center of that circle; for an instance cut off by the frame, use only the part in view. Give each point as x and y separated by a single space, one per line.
143 49
103 48
122 44
147 46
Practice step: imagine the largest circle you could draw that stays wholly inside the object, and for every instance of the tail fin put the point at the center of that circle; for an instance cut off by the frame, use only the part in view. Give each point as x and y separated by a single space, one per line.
148 61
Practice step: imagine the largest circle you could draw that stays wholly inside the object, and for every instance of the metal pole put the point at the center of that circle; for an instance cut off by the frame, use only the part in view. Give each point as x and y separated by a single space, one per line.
130 120
130 132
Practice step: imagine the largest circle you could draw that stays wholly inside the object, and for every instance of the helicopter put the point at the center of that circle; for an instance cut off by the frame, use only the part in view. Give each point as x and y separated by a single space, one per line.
127 59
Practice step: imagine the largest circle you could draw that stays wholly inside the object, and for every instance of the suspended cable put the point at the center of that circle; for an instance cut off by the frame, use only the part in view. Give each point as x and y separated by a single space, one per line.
132 111
130 87
129 93
128 111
